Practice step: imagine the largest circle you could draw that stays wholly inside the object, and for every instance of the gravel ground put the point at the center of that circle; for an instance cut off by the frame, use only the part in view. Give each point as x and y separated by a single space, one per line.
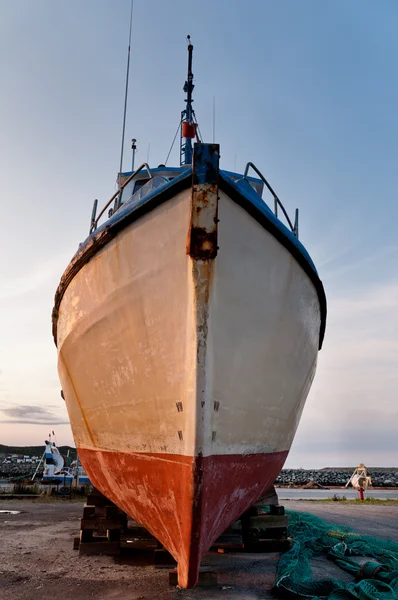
37 559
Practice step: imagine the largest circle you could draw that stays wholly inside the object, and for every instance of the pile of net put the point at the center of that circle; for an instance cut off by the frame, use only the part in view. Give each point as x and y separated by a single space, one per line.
372 562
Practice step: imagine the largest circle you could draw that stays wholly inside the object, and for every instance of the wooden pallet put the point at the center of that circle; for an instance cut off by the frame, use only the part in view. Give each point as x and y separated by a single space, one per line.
264 526
104 530
101 526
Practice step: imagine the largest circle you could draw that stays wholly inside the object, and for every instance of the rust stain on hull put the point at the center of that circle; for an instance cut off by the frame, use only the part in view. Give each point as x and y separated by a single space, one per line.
202 236
202 244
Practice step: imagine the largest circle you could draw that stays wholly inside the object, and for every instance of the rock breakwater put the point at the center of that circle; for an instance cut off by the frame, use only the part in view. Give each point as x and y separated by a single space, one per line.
381 477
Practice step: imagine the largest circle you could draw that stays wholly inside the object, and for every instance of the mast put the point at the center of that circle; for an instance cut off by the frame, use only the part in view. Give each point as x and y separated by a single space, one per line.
126 91
188 124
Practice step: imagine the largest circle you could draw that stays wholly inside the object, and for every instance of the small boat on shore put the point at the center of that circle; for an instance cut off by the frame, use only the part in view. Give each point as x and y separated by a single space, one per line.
56 471
188 326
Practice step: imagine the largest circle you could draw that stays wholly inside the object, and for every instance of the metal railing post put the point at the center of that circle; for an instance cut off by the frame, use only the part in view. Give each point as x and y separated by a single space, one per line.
115 198
93 213
294 228
276 206
296 223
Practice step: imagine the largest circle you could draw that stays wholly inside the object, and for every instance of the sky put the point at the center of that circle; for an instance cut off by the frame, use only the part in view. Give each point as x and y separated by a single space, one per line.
305 90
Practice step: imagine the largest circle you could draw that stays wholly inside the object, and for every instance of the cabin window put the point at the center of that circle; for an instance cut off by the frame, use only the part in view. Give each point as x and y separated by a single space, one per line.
139 184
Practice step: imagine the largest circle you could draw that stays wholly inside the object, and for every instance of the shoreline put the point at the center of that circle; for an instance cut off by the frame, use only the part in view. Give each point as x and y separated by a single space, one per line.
333 487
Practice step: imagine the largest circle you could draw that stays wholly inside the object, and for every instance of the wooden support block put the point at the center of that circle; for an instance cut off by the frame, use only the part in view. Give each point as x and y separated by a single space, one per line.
267 521
86 536
269 499
113 535
124 520
255 536
139 532
270 545
134 524
76 543
101 523
88 511
277 533
100 511
228 547
98 500
275 509
113 512
265 532
207 577
229 537
145 545
106 548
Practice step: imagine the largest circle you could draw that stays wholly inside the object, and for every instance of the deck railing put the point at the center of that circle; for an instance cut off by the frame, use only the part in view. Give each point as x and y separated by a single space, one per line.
277 202
116 198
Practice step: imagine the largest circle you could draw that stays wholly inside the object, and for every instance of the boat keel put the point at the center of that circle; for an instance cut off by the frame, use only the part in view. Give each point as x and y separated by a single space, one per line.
185 502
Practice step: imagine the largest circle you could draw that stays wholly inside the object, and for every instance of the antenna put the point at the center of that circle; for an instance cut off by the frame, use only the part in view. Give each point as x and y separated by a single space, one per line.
214 119
127 88
134 148
188 121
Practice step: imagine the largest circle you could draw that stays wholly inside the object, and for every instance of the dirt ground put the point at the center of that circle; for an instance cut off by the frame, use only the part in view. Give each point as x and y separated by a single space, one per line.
37 559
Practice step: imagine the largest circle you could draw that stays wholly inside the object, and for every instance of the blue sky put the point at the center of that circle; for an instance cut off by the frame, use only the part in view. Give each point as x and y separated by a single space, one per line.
306 90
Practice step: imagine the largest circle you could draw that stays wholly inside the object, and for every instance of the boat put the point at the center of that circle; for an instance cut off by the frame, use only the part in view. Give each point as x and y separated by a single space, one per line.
57 471
188 326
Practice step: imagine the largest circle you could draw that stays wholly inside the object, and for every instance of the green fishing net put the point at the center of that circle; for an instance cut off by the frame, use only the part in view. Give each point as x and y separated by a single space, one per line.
372 562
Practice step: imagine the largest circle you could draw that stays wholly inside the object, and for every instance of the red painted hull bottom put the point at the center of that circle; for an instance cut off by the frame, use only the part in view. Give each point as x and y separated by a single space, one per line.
185 502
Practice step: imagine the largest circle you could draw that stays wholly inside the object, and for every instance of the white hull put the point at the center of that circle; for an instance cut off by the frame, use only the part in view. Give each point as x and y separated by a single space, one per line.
188 338
128 333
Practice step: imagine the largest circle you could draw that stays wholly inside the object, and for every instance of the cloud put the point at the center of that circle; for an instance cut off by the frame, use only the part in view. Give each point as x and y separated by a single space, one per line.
40 275
342 266
32 415
351 413
379 298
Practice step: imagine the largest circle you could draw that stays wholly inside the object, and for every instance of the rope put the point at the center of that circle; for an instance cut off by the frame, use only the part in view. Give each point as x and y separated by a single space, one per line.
171 147
197 124
314 538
